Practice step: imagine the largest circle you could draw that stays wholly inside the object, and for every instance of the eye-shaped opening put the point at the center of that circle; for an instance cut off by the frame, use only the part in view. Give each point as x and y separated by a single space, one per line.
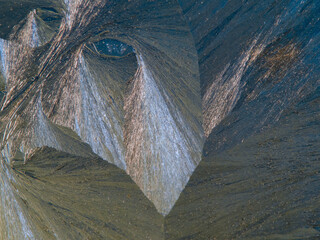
51 16
110 48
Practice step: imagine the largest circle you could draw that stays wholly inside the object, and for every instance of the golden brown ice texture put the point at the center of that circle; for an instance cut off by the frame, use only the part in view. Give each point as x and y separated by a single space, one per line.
141 113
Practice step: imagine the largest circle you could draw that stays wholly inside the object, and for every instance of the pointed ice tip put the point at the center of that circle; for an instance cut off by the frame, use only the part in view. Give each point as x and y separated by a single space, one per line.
162 149
31 31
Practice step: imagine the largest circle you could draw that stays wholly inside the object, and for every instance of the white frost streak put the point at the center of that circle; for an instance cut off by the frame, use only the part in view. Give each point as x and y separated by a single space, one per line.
35 42
95 121
17 225
223 94
4 57
13 53
73 12
43 133
29 35
167 153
